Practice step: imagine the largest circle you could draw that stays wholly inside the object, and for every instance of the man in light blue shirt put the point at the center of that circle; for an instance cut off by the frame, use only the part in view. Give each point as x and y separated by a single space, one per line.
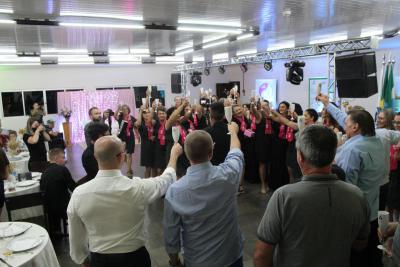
363 159
202 207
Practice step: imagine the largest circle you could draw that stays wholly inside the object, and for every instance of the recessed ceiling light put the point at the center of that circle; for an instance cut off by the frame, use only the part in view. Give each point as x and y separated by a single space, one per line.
6 11
282 45
184 51
287 13
101 25
221 56
209 29
210 22
99 15
7 21
63 51
367 32
333 38
246 52
205 46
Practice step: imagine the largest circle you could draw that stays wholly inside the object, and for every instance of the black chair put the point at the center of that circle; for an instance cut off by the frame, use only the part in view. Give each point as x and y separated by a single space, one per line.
26 201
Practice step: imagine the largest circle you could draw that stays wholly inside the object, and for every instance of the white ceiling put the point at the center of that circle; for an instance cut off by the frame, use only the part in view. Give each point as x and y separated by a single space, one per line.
281 23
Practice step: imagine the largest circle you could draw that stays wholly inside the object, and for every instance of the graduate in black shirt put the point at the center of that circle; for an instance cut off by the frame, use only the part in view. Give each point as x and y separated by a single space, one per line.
145 125
219 133
4 172
57 183
95 130
34 139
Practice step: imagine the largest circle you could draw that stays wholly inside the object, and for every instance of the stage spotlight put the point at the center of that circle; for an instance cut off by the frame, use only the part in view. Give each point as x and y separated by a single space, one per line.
243 67
207 71
294 72
221 69
195 79
268 65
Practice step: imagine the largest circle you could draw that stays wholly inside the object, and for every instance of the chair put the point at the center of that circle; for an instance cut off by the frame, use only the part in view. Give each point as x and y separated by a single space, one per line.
26 201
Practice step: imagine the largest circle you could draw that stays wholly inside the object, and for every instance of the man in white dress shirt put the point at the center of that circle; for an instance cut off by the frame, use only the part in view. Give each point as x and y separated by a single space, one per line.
106 214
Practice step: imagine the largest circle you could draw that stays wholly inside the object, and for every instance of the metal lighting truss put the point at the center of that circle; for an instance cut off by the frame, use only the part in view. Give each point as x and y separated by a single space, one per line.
288 53
331 49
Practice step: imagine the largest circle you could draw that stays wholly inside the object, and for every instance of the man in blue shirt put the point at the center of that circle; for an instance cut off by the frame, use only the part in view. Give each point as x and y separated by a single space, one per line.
363 159
202 206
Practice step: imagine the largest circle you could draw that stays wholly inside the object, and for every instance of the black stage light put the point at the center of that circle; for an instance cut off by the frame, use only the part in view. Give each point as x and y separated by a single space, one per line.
294 72
221 69
195 79
268 65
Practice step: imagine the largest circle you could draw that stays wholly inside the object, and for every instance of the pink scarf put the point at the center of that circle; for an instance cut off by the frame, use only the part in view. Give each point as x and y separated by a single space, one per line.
150 130
253 122
242 123
195 120
161 134
183 134
129 127
290 134
282 133
268 127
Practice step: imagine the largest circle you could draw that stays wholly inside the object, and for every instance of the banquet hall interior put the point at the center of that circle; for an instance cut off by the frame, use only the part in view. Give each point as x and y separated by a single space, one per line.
228 103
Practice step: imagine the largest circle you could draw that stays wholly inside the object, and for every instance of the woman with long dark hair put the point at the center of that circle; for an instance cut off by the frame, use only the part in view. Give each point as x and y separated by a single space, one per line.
4 172
127 123
34 139
160 141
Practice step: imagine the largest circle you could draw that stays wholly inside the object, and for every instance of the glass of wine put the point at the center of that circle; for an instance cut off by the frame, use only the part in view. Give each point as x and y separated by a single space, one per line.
175 133
228 114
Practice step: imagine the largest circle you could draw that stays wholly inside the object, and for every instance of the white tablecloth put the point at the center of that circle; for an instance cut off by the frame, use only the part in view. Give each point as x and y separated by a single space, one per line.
41 256
22 213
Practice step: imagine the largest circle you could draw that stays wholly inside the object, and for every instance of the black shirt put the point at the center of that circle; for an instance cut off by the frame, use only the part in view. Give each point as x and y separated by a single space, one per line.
7 163
37 152
89 162
219 133
55 182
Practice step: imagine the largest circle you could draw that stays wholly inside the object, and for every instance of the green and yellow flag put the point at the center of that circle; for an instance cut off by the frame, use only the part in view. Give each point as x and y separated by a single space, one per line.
387 89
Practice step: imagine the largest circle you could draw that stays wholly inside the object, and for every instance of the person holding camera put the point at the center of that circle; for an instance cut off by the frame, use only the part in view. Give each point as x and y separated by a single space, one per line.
34 139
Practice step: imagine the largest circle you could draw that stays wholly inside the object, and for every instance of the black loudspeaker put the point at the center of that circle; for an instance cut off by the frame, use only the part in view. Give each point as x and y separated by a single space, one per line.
176 83
356 75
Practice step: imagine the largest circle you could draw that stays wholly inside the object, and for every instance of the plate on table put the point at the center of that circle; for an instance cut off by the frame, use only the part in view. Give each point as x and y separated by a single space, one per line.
25 183
13 230
24 244
36 174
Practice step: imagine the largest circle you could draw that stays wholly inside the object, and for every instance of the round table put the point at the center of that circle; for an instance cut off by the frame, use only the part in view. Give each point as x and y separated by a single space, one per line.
22 213
42 255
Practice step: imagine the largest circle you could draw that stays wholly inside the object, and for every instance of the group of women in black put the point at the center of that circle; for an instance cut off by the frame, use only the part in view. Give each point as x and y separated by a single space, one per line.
267 138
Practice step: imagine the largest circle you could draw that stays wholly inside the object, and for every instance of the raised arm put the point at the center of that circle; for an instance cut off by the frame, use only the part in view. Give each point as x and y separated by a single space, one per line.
336 113
281 119
175 116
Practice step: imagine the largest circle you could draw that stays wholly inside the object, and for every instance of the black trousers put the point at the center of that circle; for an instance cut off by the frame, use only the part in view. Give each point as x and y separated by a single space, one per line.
137 258
383 196
371 256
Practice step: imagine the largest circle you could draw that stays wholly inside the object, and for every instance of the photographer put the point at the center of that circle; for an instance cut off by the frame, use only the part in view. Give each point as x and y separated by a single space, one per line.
34 139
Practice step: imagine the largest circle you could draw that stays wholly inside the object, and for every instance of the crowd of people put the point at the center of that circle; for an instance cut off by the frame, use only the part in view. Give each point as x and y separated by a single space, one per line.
330 174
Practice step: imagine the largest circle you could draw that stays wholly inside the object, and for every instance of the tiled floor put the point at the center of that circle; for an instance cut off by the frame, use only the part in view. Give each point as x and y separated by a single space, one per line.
251 208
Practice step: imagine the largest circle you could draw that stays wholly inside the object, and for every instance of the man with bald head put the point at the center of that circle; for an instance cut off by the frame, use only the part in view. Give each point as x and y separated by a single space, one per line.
106 214
203 204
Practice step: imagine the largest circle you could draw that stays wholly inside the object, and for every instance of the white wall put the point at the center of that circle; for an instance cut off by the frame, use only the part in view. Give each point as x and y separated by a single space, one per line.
28 78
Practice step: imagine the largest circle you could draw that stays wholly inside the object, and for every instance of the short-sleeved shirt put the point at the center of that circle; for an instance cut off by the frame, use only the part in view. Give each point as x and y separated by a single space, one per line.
314 222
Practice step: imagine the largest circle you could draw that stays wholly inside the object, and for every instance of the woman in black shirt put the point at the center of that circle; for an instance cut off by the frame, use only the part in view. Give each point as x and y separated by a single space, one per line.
126 124
4 172
145 124
34 139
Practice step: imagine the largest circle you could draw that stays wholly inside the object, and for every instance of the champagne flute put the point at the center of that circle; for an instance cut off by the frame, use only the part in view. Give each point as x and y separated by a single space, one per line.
144 101
175 133
228 114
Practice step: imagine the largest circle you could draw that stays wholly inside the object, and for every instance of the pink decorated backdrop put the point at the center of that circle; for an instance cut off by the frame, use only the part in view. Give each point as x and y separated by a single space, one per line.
81 101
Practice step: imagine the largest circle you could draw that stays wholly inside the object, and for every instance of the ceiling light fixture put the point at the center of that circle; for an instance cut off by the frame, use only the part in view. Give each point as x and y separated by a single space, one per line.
184 51
6 11
139 51
246 52
99 15
10 51
245 36
207 29
63 51
280 46
125 62
7 21
210 22
334 38
213 44
370 32
221 56
101 25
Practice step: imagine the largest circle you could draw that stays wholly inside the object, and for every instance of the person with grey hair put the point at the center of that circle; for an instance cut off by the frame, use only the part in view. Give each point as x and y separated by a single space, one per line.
317 221
106 214
203 204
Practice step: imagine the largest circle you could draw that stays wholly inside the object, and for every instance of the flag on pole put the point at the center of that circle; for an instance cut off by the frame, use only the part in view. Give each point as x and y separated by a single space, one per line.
388 83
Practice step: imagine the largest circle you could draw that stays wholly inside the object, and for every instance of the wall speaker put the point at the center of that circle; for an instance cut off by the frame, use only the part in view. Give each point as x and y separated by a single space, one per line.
176 83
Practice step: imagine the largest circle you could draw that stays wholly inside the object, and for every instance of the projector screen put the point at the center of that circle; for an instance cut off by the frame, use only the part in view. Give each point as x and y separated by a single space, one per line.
266 89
